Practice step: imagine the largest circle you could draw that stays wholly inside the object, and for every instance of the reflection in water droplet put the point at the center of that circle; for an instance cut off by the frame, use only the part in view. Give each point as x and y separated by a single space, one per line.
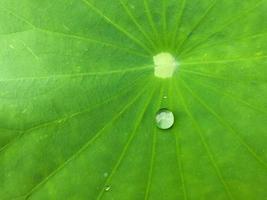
107 188
164 119
165 97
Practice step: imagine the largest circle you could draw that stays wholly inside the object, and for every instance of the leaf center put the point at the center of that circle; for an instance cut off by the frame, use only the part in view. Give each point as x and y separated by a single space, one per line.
165 65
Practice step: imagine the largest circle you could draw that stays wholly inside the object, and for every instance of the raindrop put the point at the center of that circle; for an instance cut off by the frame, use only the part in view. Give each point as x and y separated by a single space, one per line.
105 174
107 188
164 119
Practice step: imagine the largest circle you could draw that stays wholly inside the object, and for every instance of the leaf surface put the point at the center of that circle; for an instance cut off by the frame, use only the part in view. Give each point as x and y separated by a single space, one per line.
78 99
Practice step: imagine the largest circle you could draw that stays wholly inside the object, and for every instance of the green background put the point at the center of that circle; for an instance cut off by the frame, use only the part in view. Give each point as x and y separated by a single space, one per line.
78 98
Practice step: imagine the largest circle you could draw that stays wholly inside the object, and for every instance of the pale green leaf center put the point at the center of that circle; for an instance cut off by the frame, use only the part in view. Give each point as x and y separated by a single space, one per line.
165 65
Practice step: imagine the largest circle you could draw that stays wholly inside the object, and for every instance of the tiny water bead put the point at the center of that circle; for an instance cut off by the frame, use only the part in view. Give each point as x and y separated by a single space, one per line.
107 188
165 65
164 119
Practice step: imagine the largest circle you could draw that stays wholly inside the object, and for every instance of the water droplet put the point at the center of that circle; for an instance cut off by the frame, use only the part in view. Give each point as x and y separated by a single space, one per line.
107 188
105 174
164 119
165 97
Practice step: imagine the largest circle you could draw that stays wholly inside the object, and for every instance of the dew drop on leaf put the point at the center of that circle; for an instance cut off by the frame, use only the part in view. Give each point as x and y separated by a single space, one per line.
107 188
164 119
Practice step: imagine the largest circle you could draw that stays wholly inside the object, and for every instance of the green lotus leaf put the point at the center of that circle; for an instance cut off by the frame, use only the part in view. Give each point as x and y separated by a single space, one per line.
83 81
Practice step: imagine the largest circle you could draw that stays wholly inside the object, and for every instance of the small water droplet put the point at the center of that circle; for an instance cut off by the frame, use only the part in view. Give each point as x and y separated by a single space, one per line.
164 119
105 174
107 188
165 97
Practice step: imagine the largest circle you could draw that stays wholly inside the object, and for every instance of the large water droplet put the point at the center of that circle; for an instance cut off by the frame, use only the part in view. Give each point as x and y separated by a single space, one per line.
164 119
